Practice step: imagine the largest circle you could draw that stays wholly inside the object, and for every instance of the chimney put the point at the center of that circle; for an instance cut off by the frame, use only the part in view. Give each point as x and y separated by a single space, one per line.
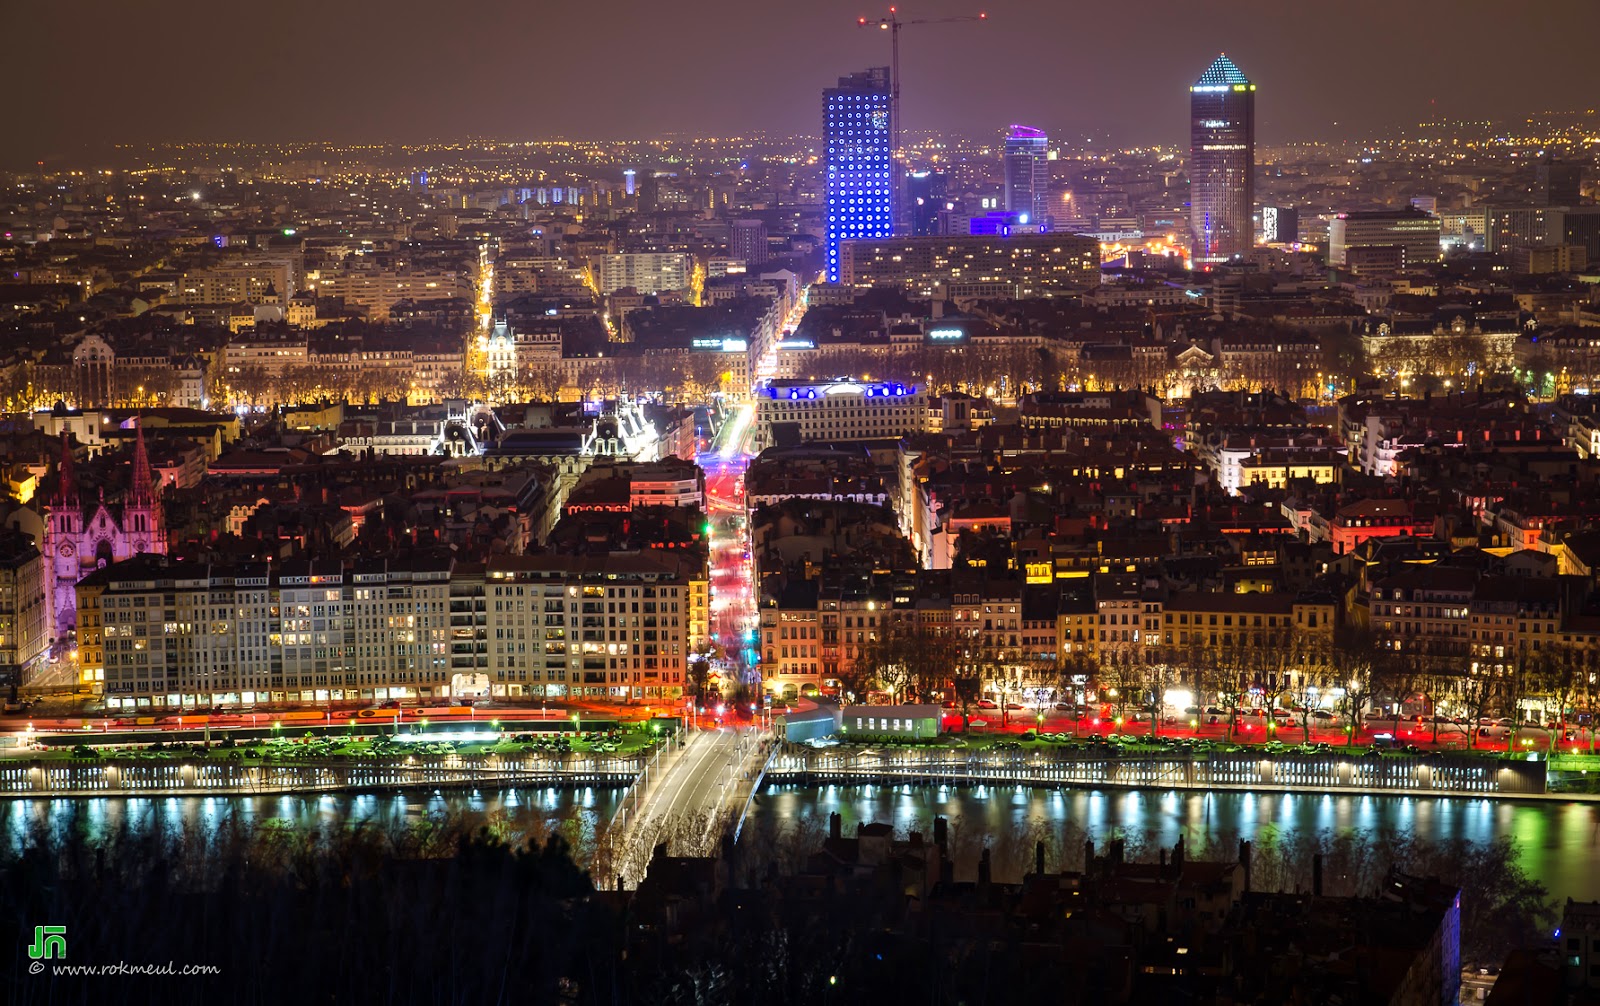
1038 858
983 870
1088 854
835 825
1163 859
941 832
1177 856
1244 861
1316 875
1117 847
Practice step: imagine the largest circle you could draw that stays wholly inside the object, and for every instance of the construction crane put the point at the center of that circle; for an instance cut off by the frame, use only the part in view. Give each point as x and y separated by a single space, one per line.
892 24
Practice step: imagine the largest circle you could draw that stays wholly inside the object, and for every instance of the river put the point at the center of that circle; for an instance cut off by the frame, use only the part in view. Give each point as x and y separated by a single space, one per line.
1557 842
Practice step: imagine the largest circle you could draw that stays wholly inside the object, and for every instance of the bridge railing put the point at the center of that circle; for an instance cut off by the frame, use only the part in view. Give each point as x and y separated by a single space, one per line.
766 752
650 772
1332 772
137 777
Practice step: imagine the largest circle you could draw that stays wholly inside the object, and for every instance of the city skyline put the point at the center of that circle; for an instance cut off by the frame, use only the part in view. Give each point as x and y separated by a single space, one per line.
260 97
506 449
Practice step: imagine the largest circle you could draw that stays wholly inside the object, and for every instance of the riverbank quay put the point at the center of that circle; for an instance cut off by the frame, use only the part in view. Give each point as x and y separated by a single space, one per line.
1336 771
103 777
1371 772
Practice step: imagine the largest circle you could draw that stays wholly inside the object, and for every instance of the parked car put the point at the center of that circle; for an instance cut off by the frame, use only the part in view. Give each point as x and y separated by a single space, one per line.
1282 714
1215 711
988 704
1063 707
1321 715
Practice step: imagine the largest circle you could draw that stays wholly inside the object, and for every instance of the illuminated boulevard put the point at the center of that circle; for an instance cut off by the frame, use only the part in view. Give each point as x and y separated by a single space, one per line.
732 589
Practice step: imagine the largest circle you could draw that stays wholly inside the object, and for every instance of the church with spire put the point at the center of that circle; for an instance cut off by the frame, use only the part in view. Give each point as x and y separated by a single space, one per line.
80 538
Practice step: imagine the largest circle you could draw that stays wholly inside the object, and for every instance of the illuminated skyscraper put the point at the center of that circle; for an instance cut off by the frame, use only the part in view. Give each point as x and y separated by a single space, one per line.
1222 160
925 193
860 187
1027 172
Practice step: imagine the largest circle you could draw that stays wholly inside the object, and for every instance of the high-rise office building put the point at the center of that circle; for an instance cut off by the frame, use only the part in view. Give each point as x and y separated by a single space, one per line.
925 195
1412 235
1027 173
1280 225
860 184
1557 183
747 241
1222 160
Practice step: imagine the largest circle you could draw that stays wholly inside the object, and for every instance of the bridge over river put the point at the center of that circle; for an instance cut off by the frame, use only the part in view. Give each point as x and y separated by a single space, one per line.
687 797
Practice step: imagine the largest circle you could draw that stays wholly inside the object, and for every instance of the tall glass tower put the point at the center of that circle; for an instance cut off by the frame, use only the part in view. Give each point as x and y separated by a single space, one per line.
860 179
1027 160
1222 161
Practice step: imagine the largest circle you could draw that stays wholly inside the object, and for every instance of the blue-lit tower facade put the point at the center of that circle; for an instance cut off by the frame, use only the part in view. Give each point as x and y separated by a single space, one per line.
1027 163
856 123
1222 163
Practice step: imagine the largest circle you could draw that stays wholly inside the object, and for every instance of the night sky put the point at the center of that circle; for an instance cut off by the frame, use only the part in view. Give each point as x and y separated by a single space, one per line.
130 70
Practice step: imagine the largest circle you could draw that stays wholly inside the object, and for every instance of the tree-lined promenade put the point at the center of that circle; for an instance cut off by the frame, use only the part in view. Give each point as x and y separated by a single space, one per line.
1339 687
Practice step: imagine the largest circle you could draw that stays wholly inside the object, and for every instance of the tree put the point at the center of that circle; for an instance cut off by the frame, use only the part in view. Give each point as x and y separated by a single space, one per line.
1229 678
699 668
702 375
1477 691
1073 672
1356 659
1532 672
1122 679
1403 677
966 686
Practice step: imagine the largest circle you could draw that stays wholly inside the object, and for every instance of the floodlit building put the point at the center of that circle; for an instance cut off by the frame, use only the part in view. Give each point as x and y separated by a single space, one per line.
1027 164
860 187
1222 158
838 410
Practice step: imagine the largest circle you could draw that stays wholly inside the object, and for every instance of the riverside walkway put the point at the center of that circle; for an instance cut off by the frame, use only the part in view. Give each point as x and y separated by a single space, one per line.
136 777
1414 775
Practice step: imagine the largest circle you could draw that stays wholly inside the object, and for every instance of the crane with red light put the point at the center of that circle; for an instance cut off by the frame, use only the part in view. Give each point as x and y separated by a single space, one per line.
892 24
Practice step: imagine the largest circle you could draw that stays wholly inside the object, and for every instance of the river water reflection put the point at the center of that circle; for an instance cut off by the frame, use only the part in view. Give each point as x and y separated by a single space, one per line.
1558 842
